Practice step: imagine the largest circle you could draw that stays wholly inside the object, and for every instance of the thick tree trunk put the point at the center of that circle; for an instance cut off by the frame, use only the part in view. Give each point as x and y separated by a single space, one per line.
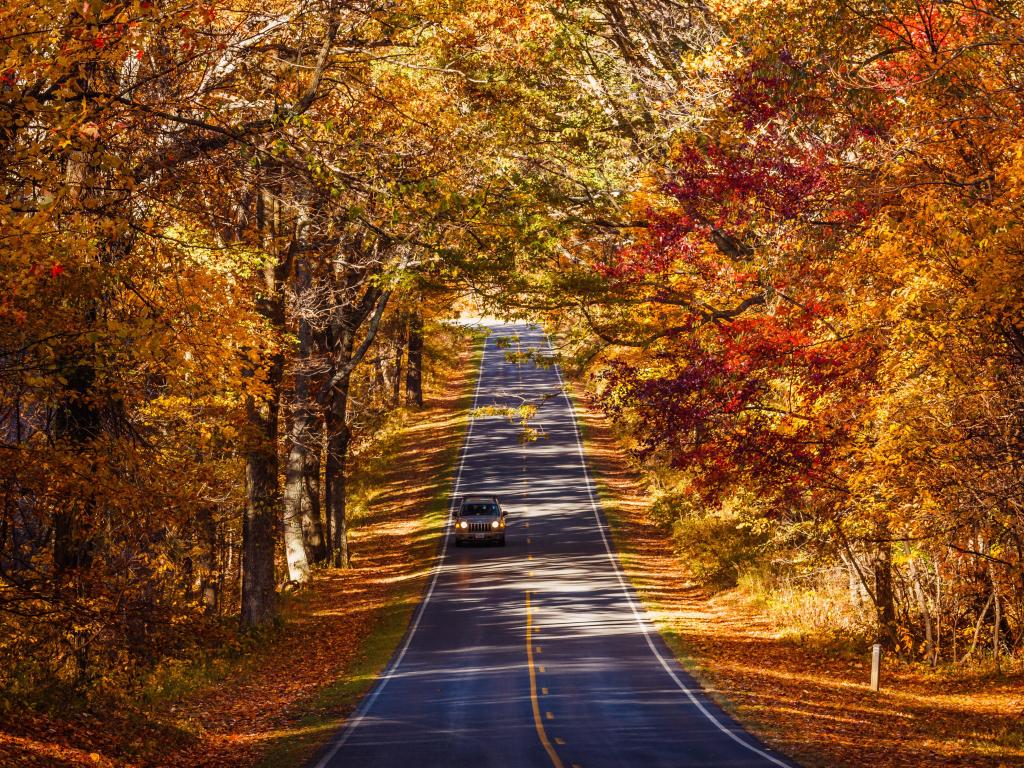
294 481
300 442
345 356
414 374
260 523
259 526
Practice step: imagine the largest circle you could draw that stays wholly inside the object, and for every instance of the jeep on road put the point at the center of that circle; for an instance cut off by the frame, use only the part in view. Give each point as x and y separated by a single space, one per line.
479 518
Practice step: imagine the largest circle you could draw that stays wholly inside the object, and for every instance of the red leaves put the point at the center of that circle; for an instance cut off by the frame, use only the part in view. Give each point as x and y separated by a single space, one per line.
53 270
722 182
666 243
741 402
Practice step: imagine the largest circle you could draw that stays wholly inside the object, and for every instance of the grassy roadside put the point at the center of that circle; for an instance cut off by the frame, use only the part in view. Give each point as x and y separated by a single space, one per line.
801 698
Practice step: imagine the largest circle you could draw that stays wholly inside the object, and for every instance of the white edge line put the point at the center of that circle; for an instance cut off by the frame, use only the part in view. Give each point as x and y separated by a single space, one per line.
364 707
644 624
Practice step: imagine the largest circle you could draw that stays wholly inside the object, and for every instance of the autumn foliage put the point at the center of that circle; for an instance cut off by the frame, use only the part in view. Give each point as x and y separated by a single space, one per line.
818 317
229 239
784 237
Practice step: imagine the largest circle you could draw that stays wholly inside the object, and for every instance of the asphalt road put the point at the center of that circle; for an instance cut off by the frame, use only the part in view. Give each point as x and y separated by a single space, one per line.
536 654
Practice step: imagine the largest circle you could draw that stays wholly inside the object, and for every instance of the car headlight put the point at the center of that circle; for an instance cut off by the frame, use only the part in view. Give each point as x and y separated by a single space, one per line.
495 524
462 524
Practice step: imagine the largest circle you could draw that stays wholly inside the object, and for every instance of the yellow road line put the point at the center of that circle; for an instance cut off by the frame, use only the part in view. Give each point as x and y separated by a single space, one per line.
555 760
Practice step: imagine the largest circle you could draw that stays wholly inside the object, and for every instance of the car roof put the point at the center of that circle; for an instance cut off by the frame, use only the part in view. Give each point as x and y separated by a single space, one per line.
480 500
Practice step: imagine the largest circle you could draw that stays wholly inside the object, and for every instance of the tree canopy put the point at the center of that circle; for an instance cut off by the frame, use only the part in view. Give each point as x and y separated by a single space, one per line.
783 240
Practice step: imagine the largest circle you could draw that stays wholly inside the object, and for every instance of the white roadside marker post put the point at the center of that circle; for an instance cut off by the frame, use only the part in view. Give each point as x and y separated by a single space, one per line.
876 665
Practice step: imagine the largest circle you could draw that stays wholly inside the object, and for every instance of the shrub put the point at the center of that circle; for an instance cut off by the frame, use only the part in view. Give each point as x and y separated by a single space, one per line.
716 545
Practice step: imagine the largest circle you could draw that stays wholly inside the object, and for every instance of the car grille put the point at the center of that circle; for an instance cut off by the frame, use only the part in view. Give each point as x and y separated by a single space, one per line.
479 527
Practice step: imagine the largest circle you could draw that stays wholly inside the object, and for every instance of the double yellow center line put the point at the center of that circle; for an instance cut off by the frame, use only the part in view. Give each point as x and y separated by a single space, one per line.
537 720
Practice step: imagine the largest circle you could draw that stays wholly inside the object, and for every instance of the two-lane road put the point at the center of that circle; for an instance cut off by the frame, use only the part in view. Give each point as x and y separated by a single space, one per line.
536 654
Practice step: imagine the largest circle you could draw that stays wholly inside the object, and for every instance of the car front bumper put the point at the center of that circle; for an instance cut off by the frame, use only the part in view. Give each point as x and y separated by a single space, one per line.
470 536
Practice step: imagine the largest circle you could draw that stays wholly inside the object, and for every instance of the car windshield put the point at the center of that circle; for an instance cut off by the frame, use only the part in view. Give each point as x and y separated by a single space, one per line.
479 509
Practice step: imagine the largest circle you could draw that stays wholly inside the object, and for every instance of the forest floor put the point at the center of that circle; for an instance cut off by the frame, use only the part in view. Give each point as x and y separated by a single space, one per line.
807 700
277 704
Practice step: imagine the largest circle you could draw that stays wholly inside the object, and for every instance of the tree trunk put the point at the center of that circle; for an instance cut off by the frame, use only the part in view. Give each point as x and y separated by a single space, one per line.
396 382
210 574
922 605
337 459
294 482
885 608
300 443
977 628
259 526
260 523
998 619
938 615
414 374
328 491
77 423
348 318
312 519
380 384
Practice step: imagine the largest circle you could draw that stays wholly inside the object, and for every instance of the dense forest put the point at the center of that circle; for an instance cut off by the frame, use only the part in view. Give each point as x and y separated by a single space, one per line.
781 243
